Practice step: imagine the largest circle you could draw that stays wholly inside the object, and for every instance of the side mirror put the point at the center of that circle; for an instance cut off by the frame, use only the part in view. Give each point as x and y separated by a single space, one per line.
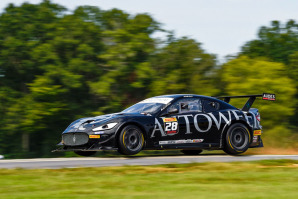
173 110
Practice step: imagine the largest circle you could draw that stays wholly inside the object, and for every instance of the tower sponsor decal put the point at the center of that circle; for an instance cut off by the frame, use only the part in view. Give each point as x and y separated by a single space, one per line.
171 124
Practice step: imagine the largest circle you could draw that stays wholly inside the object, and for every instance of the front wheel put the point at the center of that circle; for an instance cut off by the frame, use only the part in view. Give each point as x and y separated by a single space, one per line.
131 140
85 153
237 139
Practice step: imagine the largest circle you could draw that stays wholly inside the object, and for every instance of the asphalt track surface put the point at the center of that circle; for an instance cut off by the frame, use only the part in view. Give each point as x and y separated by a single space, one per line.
56 163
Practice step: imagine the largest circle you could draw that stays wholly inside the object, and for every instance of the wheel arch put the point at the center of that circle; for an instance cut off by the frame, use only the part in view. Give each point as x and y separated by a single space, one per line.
120 128
225 130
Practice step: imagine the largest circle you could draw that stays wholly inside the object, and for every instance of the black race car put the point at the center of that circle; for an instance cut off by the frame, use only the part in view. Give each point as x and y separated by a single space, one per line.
187 122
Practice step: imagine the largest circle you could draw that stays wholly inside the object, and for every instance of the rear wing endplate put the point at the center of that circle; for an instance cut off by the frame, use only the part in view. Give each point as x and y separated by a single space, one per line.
251 99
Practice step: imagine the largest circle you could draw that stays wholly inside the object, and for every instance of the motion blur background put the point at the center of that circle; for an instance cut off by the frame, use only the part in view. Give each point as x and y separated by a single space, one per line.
59 64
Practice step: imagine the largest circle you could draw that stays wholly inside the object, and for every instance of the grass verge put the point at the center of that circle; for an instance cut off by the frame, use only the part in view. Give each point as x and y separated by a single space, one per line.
262 179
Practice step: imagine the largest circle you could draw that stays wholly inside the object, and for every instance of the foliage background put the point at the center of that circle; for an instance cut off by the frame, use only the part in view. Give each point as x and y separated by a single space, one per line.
57 66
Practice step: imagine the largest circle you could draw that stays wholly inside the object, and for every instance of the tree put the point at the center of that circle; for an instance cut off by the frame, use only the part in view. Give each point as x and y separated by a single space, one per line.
126 60
56 67
253 76
46 58
278 43
182 66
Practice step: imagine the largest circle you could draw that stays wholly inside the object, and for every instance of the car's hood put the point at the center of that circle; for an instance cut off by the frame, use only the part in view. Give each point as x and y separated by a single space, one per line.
84 123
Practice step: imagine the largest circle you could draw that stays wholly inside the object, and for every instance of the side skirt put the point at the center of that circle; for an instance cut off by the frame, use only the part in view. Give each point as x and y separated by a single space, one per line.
190 146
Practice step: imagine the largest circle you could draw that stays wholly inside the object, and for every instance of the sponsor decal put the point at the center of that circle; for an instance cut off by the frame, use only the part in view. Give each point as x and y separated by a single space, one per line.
161 100
94 136
171 125
255 139
171 119
197 125
268 96
197 140
181 141
257 132
186 122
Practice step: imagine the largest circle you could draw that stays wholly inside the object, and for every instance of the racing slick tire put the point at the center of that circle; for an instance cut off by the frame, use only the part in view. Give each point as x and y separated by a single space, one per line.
131 140
237 139
85 153
191 152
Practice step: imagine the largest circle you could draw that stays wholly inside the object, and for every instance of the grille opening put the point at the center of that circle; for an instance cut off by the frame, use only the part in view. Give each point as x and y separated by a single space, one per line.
75 139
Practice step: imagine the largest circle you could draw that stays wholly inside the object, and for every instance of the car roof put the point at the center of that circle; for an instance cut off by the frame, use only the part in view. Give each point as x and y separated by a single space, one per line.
175 96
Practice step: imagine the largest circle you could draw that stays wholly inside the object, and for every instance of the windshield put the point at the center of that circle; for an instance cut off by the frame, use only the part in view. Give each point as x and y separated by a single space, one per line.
144 108
151 105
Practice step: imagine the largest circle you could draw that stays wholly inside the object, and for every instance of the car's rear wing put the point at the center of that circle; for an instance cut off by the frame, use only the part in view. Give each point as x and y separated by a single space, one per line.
251 99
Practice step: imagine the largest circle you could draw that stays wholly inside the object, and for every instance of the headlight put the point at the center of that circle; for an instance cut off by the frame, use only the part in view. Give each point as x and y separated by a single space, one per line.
105 127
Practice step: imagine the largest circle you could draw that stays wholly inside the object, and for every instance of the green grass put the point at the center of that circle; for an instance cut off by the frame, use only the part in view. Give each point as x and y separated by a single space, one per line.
262 179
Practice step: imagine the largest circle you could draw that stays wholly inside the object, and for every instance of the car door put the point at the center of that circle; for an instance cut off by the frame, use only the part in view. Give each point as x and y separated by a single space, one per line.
178 126
218 119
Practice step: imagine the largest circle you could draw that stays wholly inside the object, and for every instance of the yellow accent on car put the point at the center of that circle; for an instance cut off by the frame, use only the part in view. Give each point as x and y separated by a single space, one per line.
94 136
171 119
123 139
230 141
257 132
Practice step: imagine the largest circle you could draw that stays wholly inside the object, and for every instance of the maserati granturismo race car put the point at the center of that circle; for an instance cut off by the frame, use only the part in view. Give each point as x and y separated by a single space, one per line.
187 122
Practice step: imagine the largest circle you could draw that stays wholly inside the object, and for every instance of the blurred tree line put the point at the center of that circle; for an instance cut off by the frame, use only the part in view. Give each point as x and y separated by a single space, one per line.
57 66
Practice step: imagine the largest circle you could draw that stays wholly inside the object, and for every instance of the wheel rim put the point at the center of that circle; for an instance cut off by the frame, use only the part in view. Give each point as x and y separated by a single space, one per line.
239 138
133 139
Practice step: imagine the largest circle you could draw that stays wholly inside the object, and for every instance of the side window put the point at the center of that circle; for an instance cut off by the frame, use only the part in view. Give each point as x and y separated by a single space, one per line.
187 105
210 106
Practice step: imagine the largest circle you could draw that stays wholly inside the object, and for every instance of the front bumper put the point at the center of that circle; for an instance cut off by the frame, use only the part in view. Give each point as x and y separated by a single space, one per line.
94 147
81 141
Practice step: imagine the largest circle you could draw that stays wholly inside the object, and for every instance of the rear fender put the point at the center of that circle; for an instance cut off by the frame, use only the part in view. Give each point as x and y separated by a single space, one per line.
226 127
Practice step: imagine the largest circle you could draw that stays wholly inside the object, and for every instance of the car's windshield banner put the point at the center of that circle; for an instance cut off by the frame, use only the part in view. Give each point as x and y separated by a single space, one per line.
160 100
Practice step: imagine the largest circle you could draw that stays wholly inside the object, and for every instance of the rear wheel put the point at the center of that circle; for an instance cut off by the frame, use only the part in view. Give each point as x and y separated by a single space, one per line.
131 140
237 139
191 152
85 153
